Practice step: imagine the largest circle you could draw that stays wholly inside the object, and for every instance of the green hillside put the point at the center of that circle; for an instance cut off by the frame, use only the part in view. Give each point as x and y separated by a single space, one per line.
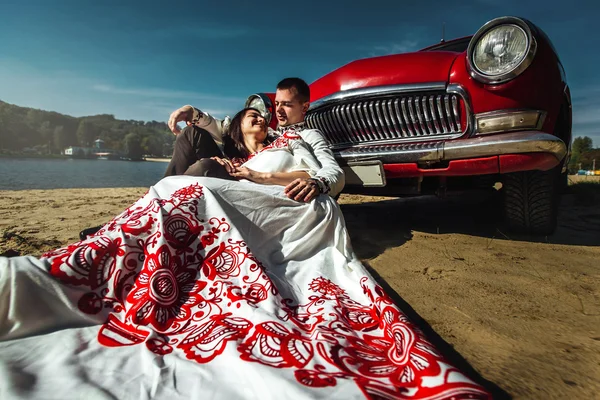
23 128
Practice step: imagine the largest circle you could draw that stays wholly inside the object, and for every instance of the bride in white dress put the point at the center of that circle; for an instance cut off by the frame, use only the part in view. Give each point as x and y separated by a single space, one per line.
265 160
211 288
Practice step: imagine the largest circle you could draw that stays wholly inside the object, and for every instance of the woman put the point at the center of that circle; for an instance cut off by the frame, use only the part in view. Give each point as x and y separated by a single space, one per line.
215 288
253 156
258 158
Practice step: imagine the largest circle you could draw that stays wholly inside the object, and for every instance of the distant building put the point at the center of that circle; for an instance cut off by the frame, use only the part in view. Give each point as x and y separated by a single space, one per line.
92 152
76 151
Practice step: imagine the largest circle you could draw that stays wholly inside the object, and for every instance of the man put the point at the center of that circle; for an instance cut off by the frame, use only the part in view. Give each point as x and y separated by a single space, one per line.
201 140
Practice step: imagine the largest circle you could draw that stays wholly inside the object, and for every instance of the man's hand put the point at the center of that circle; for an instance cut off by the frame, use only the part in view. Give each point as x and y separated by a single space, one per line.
302 190
184 113
229 167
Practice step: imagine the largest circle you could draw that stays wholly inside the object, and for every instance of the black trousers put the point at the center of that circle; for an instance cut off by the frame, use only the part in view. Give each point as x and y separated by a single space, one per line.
192 152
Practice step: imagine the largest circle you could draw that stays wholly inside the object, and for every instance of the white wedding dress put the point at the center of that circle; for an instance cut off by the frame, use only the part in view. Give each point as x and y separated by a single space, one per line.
213 289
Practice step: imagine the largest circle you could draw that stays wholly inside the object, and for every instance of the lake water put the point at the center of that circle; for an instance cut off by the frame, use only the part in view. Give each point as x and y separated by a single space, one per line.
35 173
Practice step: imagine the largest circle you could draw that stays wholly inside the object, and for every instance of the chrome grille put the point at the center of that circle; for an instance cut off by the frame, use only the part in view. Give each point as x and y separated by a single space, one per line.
401 117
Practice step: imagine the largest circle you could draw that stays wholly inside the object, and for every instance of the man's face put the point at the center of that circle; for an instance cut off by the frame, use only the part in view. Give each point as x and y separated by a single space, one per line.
288 109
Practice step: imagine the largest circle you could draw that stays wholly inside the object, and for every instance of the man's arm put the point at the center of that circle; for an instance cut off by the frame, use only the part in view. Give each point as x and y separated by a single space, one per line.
331 175
182 114
194 116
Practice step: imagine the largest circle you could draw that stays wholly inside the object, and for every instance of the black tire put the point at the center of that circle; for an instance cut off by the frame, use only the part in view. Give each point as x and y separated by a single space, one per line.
531 201
563 182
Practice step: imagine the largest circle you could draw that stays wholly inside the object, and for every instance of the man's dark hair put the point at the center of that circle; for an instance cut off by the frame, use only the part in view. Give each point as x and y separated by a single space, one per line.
302 89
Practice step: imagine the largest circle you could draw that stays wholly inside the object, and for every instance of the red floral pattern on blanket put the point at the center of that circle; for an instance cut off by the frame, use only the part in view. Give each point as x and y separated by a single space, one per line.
167 275
164 292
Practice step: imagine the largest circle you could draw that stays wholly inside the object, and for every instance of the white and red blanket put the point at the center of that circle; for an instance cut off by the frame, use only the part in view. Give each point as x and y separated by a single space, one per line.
212 289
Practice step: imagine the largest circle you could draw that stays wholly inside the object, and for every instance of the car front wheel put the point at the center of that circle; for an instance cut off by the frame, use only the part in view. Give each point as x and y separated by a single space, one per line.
531 201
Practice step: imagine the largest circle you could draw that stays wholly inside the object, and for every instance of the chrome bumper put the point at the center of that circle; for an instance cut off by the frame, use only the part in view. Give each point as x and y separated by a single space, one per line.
484 146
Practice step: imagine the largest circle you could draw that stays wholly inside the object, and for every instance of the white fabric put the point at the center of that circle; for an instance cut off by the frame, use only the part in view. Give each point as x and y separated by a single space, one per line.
291 155
212 289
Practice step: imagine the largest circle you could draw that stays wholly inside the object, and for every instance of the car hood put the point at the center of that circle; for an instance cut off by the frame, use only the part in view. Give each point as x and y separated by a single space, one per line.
398 69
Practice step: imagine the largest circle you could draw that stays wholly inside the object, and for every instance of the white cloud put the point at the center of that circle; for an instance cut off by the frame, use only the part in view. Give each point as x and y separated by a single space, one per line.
585 93
405 46
586 112
586 115
160 102
77 95
164 109
159 93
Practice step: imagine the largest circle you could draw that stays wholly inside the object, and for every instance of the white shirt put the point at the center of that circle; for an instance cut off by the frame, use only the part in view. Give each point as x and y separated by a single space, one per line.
330 172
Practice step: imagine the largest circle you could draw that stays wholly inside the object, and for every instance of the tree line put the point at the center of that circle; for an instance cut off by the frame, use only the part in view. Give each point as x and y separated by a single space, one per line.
51 132
583 154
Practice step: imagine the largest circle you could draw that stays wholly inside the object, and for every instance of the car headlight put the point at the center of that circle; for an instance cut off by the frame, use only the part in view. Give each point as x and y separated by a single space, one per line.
262 103
501 50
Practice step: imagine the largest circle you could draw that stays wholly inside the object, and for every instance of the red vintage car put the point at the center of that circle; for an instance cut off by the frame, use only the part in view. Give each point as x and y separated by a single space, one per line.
466 113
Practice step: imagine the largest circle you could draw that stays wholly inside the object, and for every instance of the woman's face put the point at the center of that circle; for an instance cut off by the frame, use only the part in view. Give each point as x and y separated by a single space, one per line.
254 124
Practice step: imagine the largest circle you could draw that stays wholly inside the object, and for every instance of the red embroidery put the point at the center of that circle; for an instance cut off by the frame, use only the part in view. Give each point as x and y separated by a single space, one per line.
190 192
159 346
209 339
164 291
238 160
314 378
326 287
185 282
115 333
272 344
291 135
281 142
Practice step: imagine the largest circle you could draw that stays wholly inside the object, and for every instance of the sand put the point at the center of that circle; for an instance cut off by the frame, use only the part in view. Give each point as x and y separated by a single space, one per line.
519 314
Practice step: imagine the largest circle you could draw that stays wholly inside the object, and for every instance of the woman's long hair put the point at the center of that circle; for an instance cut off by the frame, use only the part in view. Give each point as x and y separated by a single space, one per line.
233 142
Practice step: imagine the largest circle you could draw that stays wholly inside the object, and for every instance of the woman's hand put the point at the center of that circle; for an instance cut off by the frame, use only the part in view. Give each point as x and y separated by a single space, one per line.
247 173
229 166
234 169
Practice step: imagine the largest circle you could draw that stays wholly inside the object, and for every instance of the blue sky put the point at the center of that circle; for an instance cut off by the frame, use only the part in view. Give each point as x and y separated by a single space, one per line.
141 60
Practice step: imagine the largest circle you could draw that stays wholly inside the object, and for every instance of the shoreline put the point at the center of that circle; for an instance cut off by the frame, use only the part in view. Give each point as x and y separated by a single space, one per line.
157 159
63 157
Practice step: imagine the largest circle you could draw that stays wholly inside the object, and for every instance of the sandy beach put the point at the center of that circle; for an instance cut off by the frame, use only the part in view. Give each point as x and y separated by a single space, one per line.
518 312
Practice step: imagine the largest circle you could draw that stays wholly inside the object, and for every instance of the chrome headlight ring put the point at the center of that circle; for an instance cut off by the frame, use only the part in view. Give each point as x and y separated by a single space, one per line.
510 26
262 103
